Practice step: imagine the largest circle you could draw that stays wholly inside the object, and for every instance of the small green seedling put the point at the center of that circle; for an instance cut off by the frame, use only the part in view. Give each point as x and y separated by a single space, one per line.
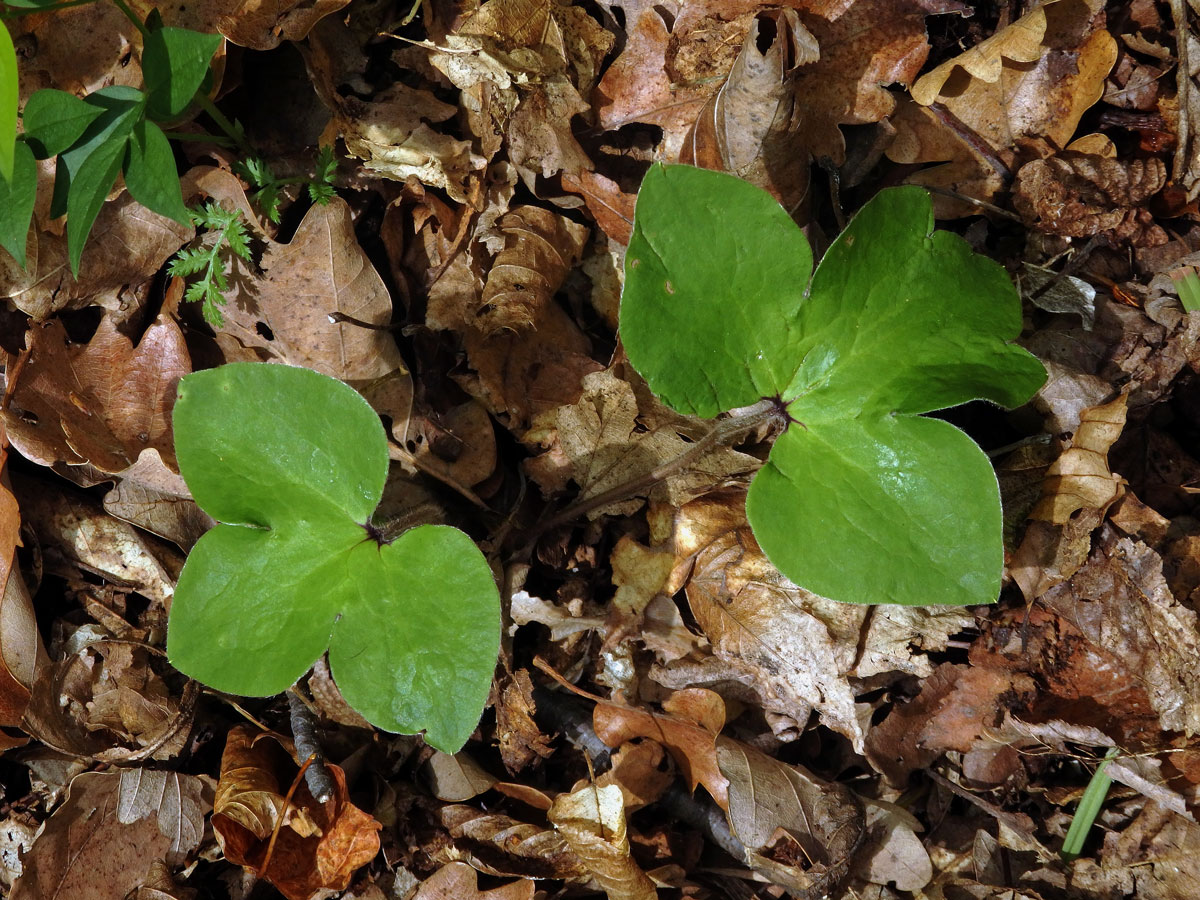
862 499
292 464
110 132
229 230
1089 807
1187 285
266 187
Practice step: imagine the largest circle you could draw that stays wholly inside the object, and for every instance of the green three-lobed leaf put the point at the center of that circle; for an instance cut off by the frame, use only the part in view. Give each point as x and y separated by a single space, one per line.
292 464
862 498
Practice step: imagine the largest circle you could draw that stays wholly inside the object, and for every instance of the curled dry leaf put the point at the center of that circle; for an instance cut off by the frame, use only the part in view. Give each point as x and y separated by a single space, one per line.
540 247
690 741
1078 195
21 650
521 741
458 881
1080 478
799 830
503 846
592 821
1029 109
318 846
104 842
102 402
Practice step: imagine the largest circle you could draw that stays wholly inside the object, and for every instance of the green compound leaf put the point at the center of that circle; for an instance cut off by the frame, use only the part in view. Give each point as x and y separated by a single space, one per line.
174 63
150 173
292 463
8 103
17 197
861 499
54 120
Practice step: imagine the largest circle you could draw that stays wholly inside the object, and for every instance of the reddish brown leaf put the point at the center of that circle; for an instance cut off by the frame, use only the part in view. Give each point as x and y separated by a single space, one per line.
317 845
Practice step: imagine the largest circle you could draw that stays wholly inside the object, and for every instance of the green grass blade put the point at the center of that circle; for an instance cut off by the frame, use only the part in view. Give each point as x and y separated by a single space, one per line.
1089 808
1187 284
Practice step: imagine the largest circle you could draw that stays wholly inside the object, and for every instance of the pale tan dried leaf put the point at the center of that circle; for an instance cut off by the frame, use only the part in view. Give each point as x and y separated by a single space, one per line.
1030 110
21 650
770 801
893 854
540 247
1080 478
103 842
458 881
592 820
456 776
79 529
639 574
149 495
1019 42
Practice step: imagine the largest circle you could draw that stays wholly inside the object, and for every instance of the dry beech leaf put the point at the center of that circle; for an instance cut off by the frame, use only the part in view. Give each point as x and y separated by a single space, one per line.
102 402
286 314
456 776
458 881
1020 42
503 846
319 846
1031 109
592 821
104 841
892 852
540 247
259 26
149 495
610 436
691 743
516 376
799 830
611 207
1080 478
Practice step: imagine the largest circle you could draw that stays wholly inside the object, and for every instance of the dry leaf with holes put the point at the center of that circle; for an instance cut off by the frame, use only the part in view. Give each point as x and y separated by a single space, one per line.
1080 477
592 821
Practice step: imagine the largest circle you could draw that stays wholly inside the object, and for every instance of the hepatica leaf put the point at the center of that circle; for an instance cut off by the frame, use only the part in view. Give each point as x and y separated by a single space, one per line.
292 464
862 499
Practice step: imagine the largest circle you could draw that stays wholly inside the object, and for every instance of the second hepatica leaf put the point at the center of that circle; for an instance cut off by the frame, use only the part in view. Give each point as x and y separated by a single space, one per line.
292 464
862 499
